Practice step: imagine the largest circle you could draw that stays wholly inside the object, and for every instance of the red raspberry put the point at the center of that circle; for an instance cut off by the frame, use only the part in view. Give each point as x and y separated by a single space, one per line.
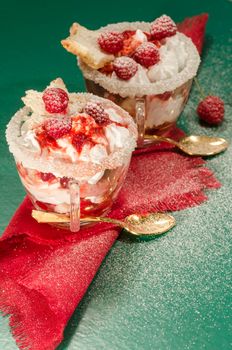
57 127
97 112
147 55
111 42
47 176
79 140
55 100
163 27
125 67
64 181
211 110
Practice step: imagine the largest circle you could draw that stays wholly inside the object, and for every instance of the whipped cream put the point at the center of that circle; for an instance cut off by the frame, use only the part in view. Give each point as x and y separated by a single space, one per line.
97 154
116 136
48 193
178 47
160 112
53 193
140 36
113 137
94 154
113 115
67 148
166 68
140 77
173 58
30 141
59 196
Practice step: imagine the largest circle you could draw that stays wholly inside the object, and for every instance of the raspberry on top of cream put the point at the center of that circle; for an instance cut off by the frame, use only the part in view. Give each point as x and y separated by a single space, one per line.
128 58
142 48
155 53
69 134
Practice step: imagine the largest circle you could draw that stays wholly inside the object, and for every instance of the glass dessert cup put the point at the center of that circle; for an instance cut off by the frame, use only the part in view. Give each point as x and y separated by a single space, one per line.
153 114
155 95
75 162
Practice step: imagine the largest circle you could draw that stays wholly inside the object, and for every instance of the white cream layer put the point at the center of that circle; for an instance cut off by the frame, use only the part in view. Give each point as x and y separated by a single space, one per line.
115 137
54 194
173 59
160 111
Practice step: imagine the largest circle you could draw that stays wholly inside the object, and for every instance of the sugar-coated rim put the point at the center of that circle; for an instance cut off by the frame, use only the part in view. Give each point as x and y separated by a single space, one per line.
124 88
80 170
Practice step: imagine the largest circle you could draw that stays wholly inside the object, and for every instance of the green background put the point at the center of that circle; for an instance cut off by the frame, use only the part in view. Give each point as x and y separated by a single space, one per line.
170 293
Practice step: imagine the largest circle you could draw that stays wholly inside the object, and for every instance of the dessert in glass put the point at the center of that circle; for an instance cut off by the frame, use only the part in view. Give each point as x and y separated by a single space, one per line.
72 150
146 68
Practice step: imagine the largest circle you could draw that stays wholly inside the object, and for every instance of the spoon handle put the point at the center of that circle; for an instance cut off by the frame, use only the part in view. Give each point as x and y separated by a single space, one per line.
46 217
161 138
49 217
103 219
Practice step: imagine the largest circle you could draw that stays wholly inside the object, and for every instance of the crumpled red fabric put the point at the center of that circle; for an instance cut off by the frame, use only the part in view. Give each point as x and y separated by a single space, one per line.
194 27
44 271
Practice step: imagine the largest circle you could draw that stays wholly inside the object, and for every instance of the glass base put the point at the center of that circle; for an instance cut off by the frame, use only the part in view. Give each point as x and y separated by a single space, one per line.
94 199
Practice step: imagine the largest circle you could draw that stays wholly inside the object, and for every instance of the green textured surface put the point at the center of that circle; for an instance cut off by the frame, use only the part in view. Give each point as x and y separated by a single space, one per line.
170 293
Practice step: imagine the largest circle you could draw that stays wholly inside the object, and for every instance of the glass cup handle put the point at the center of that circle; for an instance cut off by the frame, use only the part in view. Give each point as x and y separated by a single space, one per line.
140 120
74 190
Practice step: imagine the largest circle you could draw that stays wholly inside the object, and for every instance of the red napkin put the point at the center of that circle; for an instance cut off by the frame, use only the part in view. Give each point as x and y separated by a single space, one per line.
44 272
194 27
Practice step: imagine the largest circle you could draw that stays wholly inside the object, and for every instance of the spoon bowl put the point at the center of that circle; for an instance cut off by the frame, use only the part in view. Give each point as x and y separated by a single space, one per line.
203 145
150 224
194 145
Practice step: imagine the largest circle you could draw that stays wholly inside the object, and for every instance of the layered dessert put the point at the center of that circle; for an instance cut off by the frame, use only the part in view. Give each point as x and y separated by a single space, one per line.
60 136
126 62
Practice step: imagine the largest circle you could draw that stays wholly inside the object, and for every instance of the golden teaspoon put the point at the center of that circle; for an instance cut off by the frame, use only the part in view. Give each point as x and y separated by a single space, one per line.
193 145
151 224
